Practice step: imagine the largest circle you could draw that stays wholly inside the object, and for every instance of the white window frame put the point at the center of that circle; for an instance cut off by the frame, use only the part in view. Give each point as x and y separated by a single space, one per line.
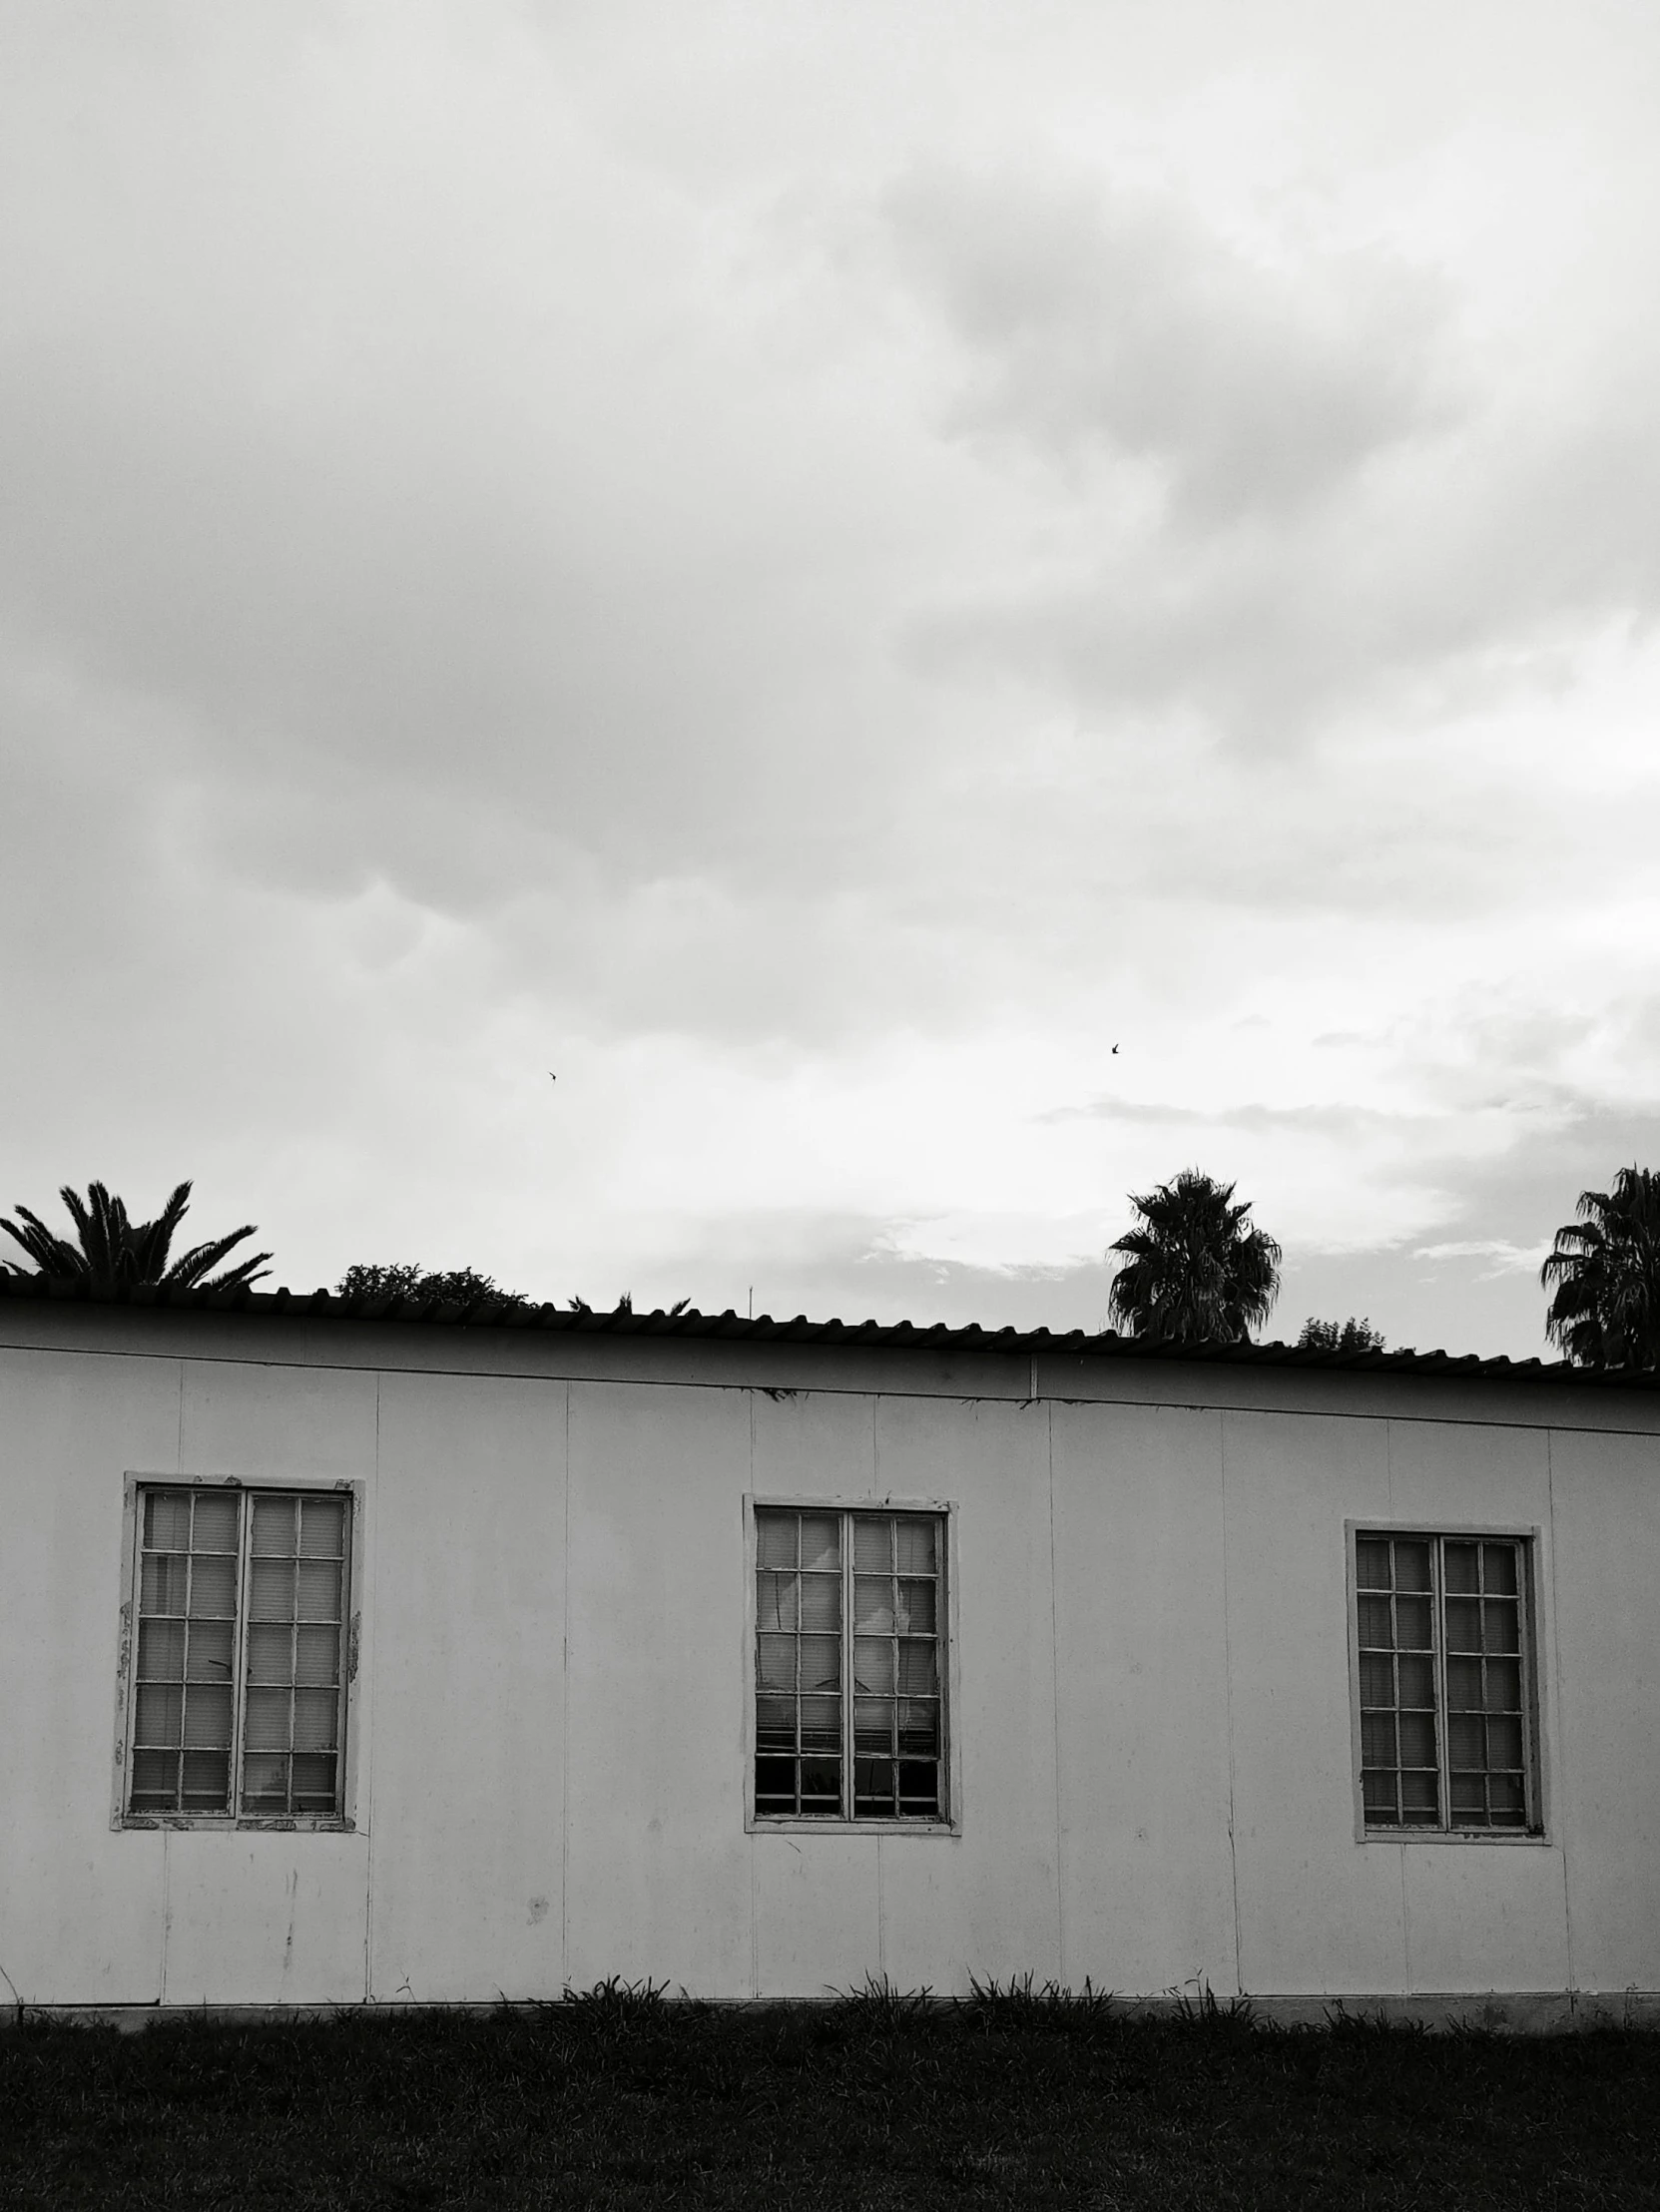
342 1820
1530 1586
949 1821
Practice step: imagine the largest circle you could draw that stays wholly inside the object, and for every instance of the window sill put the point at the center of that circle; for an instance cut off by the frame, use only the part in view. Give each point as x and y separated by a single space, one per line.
796 1825
281 1823
1507 1839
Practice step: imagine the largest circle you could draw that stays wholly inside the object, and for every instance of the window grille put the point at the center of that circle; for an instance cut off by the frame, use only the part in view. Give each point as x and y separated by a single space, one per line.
849 1726
238 1696
1446 1688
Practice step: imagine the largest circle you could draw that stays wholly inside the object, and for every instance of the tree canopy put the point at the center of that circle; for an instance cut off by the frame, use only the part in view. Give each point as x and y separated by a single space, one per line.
110 1251
439 1285
1195 1269
454 1287
1344 1336
1603 1273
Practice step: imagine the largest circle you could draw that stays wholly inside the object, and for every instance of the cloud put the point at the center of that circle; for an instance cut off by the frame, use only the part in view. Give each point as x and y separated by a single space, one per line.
1119 323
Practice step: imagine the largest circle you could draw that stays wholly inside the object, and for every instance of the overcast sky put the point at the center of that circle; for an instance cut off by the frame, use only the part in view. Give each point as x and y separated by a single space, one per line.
811 569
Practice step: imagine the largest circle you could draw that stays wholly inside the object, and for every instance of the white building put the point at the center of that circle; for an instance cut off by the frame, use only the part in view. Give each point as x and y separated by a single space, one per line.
385 1659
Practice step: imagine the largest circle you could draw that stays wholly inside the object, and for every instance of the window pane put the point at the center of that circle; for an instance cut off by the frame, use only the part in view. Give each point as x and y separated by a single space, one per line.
270 1590
873 1543
1461 1566
1375 1628
1499 1619
319 1589
208 1716
1417 1683
314 1781
821 1778
821 1540
918 1788
1419 1799
775 1723
1506 1796
775 1600
161 1651
874 1792
162 1583
207 1782
322 1527
873 1665
1377 1678
918 1667
1504 1741
215 1527
315 1714
1417 1739
821 1662
775 1538
159 1717
917 1608
318 1658
155 1781
776 1662
1411 1564
266 1783
1499 1569
1467 1742
914 1538
1412 1624
1470 1798
1377 1740
775 1785
270 1652
1504 1686
822 1724
1464 1624
874 1605
1371 1563
1464 1684
821 1601
920 1728
167 1520
210 1650
1378 1797
874 1724
212 1588
273 1527
265 1720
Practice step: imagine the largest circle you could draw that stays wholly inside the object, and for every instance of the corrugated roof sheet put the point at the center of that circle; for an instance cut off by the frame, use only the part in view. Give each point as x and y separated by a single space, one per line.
322 1305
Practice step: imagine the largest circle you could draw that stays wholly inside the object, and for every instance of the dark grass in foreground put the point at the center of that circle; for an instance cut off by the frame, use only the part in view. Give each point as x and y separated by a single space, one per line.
1018 2097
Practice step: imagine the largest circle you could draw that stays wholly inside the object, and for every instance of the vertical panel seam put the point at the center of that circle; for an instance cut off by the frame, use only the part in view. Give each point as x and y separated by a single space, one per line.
565 1723
1558 1795
748 1679
1054 1705
368 1764
1228 1679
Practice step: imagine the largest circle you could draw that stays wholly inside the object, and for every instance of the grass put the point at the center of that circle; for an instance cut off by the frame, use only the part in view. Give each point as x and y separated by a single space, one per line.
1017 2096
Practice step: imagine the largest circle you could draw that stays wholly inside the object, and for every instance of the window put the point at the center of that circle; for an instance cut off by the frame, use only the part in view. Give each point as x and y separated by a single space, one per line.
238 1700
849 1707
1447 1690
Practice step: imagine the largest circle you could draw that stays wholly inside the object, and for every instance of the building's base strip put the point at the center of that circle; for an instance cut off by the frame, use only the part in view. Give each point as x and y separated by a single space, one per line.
1511 2012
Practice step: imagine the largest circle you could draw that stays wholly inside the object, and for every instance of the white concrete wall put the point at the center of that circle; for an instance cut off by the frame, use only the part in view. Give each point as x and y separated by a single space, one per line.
1153 1721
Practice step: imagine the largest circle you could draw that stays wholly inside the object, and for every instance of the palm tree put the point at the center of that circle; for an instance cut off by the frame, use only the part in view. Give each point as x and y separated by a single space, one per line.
110 1252
1605 1307
1194 1269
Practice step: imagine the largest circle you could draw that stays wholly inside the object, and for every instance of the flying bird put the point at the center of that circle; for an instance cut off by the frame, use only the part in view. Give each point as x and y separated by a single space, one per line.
1115 1048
